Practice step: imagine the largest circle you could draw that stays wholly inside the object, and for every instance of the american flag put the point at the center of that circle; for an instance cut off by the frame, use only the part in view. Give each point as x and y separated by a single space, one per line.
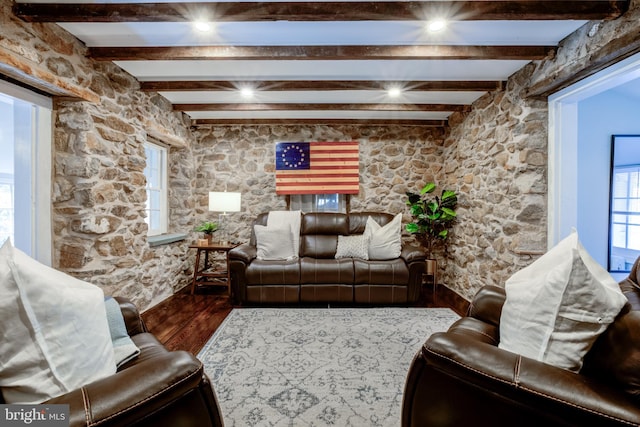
317 167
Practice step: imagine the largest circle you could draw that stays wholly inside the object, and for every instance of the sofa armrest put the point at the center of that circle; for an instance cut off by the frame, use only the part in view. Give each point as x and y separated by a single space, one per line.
138 392
245 253
487 304
132 319
239 259
558 395
412 254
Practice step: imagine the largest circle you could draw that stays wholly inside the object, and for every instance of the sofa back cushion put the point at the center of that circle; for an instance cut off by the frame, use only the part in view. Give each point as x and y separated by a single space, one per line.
319 233
358 220
615 356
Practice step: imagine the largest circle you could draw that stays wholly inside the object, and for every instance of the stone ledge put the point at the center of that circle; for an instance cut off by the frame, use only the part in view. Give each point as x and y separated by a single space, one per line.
165 239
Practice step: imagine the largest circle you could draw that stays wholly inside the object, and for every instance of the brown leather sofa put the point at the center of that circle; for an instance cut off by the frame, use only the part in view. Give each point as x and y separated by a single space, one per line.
461 378
317 277
158 388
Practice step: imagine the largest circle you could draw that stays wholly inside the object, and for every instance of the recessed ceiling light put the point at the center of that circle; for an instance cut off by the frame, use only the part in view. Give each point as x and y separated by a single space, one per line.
202 26
436 25
246 92
394 92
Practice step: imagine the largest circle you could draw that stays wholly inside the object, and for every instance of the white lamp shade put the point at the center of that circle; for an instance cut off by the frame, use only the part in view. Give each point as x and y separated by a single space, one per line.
224 201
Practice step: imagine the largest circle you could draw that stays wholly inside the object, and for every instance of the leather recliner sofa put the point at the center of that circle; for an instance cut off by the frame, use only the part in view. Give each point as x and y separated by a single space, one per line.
317 277
461 378
158 388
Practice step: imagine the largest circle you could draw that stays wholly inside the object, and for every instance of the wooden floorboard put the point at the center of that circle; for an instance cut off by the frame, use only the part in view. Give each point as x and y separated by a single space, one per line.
186 322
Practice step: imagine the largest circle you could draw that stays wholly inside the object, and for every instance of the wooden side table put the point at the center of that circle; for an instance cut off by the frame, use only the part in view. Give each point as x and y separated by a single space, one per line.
211 274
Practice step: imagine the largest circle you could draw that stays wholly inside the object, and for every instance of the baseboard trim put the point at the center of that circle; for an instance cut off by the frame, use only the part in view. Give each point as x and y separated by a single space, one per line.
449 298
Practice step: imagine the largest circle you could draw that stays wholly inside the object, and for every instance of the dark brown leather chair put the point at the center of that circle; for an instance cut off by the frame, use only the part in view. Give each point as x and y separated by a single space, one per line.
631 287
157 388
461 377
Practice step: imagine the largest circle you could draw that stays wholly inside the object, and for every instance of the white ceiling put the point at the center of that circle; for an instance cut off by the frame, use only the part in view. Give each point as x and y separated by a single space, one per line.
336 33
283 33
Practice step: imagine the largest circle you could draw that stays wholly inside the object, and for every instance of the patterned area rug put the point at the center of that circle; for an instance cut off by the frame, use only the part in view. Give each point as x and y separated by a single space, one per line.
317 367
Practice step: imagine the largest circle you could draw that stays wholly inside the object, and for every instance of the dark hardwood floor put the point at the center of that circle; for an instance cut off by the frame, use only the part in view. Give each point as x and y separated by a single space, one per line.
186 322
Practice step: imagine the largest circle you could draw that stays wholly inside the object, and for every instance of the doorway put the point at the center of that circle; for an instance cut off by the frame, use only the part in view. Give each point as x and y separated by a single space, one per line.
582 119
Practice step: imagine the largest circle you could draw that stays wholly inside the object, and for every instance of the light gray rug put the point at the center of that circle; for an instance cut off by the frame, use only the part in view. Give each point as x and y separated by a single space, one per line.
317 367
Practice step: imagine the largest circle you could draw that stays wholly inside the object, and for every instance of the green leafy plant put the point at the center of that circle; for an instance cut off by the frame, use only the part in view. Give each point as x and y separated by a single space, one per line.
433 216
207 227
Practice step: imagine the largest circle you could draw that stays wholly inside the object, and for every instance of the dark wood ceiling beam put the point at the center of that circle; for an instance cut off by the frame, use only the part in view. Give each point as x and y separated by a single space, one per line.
423 52
610 54
321 11
321 85
319 107
321 121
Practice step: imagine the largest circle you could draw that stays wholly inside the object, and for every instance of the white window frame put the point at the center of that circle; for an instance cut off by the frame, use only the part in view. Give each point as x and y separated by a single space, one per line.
318 202
162 190
35 233
626 217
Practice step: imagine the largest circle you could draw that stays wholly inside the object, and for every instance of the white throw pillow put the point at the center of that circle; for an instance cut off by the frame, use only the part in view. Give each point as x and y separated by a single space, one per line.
557 307
274 243
384 242
55 336
293 219
356 246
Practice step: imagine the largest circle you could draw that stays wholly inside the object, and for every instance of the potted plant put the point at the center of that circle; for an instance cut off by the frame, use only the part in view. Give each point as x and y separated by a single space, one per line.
208 228
433 216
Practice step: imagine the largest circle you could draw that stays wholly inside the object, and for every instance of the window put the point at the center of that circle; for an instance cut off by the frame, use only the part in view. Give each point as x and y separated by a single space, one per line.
25 171
318 202
624 231
156 173
6 205
625 216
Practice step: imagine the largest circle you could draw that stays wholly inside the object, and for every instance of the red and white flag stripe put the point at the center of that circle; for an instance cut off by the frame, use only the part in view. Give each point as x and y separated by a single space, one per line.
334 168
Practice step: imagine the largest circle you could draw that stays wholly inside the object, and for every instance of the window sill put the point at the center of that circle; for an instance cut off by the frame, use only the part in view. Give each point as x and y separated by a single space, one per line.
165 239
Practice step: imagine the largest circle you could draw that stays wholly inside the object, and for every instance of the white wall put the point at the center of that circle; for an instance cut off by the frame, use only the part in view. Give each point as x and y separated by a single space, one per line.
600 117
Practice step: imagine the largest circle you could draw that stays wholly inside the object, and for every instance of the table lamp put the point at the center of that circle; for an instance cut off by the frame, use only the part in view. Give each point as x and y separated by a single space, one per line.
224 202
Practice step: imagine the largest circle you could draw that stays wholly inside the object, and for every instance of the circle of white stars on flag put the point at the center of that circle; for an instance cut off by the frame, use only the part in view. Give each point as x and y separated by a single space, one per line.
295 159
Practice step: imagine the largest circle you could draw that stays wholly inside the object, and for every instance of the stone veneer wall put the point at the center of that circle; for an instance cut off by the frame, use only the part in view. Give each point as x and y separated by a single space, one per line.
99 233
393 160
496 155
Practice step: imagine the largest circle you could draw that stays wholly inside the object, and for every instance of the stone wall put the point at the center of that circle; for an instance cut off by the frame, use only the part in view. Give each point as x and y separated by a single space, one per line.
393 160
496 155
99 194
101 120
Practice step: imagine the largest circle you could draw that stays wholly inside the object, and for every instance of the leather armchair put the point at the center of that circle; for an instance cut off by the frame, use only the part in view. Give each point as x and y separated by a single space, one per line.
461 377
157 388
